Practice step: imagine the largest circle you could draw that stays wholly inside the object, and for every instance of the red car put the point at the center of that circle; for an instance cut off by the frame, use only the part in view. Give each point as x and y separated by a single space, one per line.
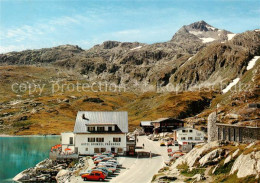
94 175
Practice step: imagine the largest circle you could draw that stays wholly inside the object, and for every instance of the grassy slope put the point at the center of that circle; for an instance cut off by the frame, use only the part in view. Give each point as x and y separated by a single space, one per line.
52 115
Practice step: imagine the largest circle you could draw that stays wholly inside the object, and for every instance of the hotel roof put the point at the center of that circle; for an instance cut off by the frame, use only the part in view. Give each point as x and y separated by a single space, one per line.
84 118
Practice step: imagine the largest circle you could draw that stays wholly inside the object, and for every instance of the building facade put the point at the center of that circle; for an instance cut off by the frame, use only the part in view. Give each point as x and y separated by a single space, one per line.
166 124
96 132
188 136
147 127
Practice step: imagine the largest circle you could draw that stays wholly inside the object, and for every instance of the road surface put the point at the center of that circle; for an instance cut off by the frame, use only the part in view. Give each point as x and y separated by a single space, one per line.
140 170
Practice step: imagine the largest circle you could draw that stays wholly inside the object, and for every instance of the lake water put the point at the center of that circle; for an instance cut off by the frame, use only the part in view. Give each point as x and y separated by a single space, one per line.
20 153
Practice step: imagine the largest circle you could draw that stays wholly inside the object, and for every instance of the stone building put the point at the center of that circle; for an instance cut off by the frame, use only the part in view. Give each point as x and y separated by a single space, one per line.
235 133
232 133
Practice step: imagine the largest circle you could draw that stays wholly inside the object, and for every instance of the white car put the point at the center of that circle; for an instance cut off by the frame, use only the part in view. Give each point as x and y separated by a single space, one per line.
114 162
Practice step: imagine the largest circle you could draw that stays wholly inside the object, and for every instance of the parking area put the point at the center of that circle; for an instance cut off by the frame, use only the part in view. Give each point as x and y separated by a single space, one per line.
139 170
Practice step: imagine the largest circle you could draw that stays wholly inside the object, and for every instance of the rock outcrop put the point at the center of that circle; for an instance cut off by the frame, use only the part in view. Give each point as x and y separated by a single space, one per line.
246 165
211 157
52 171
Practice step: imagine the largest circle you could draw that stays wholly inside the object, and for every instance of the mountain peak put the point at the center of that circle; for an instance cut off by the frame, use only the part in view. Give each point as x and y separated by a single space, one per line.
201 26
200 31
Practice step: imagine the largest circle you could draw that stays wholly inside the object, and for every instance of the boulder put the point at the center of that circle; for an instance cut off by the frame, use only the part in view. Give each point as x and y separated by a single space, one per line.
228 159
232 116
235 153
63 176
191 157
198 177
208 158
66 100
231 156
215 168
246 165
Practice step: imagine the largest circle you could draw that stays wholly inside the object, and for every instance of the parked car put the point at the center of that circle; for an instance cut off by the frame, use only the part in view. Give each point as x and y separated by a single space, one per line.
114 162
155 139
108 166
94 175
108 172
169 143
109 154
162 143
99 156
96 155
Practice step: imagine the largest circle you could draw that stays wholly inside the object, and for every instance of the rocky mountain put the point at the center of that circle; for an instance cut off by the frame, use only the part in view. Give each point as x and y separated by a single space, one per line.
197 55
184 63
201 32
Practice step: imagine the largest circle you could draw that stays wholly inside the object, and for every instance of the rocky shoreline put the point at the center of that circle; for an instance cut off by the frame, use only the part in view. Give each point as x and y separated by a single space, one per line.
53 171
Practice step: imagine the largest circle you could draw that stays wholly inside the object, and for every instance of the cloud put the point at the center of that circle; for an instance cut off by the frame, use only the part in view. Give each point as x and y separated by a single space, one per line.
6 49
32 32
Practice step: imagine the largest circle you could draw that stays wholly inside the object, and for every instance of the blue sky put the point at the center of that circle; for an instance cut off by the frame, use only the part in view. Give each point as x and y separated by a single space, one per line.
31 24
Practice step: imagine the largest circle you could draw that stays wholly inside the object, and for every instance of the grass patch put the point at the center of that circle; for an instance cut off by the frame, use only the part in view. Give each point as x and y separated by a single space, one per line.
233 179
22 124
184 169
224 169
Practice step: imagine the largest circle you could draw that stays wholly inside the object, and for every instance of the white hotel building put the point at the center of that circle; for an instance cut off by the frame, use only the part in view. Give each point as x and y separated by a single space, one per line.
96 132
187 135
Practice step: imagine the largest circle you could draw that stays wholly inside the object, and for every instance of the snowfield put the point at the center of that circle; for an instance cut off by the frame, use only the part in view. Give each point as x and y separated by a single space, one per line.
252 62
138 47
196 32
207 40
230 36
233 83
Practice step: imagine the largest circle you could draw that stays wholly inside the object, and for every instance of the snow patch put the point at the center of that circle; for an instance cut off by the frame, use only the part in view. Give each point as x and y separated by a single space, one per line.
138 47
207 40
230 36
233 83
209 27
196 33
252 62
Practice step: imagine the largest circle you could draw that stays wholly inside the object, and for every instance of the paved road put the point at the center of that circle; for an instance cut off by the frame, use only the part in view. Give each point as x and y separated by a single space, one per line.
141 170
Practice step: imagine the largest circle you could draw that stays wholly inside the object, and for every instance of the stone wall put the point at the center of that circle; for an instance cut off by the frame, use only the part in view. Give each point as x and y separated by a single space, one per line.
238 133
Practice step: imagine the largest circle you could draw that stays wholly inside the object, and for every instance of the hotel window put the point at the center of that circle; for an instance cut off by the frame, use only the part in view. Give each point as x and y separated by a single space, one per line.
110 128
116 139
184 131
190 131
100 139
103 150
91 139
183 138
189 138
91 128
86 149
96 150
197 138
71 140
100 129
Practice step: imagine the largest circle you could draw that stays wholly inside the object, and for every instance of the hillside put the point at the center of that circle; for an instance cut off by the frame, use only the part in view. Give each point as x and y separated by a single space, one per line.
182 78
215 162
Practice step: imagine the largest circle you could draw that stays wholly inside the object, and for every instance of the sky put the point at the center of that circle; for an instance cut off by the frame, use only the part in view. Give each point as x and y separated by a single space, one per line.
34 24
